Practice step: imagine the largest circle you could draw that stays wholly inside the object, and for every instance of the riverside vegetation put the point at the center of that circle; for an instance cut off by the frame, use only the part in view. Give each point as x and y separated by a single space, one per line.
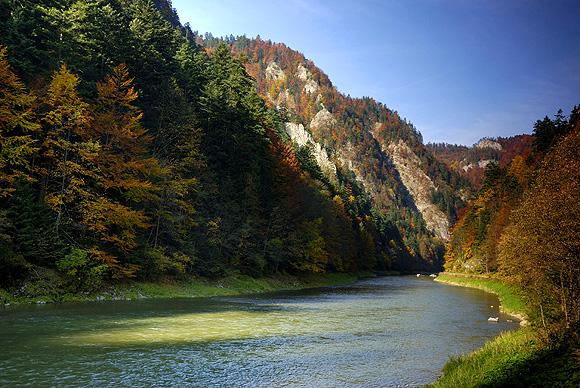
527 357
521 232
139 158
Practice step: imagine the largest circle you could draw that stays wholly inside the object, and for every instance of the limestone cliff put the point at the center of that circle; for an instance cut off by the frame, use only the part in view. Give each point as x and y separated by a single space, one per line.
420 187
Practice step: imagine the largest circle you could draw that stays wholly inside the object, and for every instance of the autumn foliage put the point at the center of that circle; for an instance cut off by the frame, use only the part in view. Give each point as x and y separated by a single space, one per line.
524 223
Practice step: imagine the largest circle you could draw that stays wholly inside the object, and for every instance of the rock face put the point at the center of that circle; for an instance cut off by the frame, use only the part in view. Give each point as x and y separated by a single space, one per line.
420 186
274 72
485 162
486 143
349 139
301 137
302 72
322 118
311 87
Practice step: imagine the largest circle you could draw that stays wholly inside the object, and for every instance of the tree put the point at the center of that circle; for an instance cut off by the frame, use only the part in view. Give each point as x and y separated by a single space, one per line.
66 158
17 126
543 238
124 183
547 132
314 255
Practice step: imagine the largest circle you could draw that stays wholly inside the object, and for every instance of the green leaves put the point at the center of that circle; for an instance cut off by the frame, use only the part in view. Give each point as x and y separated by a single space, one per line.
82 271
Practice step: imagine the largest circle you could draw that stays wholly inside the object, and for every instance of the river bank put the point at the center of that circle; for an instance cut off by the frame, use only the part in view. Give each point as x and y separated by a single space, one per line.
511 298
44 290
525 357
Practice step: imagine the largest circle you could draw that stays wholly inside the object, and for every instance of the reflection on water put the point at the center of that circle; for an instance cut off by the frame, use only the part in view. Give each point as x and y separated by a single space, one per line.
378 332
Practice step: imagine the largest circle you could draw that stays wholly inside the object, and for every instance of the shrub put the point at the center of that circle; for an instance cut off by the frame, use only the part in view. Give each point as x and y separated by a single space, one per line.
82 271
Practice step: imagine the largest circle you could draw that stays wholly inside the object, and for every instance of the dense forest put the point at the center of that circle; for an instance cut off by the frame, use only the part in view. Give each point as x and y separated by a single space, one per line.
128 150
523 224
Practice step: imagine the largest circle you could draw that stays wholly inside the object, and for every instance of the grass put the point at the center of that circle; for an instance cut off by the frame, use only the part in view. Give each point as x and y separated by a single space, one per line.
43 290
515 359
522 358
233 285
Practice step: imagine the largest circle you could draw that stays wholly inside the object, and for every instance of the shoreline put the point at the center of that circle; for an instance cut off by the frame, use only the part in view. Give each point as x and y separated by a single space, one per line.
486 284
520 357
187 288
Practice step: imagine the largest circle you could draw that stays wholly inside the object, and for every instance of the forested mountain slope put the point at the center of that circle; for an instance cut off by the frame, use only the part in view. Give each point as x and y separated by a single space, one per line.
471 162
357 142
128 150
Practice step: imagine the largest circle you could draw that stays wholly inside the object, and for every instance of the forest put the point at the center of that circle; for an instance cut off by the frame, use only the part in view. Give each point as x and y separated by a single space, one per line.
466 160
130 151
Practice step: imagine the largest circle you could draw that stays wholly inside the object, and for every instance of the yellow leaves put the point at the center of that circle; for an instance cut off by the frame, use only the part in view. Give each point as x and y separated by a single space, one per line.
17 124
338 200
54 200
468 251
113 222
481 201
117 88
520 170
449 258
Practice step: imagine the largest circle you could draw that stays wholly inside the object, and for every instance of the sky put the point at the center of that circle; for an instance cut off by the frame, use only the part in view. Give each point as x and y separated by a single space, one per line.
459 70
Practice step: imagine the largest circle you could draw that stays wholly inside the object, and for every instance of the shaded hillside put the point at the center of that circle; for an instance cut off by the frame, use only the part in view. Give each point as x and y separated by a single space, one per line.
359 144
471 162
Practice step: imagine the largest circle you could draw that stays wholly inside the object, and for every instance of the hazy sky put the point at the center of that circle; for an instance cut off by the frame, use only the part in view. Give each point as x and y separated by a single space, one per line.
457 69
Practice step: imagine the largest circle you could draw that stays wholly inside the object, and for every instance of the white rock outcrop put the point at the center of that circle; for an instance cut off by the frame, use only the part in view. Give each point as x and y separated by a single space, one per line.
322 118
274 72
302 72
419 185
483 163
310 86
299 135
487 143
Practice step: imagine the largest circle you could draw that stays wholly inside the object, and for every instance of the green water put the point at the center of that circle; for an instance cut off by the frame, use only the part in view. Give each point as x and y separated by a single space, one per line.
379 332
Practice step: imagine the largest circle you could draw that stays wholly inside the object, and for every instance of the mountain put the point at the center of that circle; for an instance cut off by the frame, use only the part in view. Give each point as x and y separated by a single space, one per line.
471 162
148 150
131 147
357 142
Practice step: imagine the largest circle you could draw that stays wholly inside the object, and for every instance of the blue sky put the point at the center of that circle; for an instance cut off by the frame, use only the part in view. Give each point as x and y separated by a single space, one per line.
457 69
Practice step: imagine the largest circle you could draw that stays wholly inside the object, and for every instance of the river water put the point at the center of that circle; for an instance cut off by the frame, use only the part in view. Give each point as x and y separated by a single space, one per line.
388 331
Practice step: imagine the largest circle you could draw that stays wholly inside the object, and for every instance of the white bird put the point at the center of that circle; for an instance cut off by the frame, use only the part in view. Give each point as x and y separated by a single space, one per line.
493 319
418 275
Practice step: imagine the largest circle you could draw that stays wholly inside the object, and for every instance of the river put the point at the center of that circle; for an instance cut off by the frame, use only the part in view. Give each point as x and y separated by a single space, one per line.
387 331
